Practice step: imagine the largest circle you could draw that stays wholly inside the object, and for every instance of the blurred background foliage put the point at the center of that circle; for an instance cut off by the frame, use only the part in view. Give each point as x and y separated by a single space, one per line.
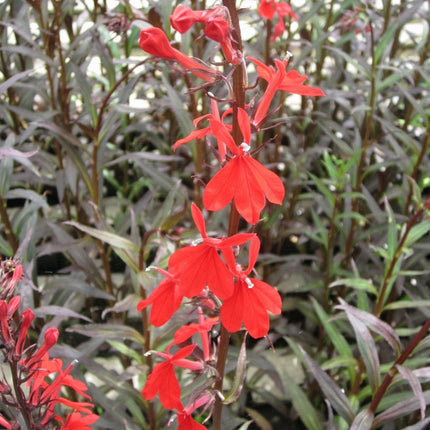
91 194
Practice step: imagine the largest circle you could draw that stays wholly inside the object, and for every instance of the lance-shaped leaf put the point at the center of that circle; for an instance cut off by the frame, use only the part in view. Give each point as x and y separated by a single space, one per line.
405 407
363 421
334 394
368 350
415 385
239 376
374 323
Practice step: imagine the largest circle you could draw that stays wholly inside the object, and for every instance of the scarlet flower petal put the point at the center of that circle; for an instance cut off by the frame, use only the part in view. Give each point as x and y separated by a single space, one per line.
220 190
163 381
268 181
250 305
249 196
154 41
198 219
165 300
199 266
183 18
267 9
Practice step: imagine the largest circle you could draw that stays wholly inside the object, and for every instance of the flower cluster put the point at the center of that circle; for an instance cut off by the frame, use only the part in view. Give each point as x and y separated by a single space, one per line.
268 9
36 379
208 271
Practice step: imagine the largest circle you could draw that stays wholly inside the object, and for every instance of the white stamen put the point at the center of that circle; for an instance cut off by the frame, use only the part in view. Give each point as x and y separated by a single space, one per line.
245 146
249 283
289 55
196 242
150 268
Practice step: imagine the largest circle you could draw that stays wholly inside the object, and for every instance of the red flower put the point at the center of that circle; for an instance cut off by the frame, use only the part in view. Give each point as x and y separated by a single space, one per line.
75 421
251 300
163 380
185 420
155 42
279 80
268 8
216 23
183 18
243 179
202 328
214 121
200 265
165 300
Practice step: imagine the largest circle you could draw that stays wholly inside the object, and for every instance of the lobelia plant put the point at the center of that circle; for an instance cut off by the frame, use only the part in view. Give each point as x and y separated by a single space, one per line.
31 382
208 272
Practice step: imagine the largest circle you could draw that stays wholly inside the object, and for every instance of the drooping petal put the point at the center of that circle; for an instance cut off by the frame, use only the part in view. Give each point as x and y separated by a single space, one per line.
220 189
269 182
248 197
165 300
249 304
200 266
198 219
163 381
195 134
232 310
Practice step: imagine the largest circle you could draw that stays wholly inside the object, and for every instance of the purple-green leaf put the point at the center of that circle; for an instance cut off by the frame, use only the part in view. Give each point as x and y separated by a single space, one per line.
334 394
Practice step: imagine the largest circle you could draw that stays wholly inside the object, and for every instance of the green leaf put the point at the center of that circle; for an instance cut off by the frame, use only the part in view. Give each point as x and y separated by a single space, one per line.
334 394
302 405
116 241
368 351
363 421
374 323
108 332
356 283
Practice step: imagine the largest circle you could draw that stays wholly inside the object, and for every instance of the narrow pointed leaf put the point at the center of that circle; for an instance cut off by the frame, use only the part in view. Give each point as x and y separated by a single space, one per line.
374 323
415 385
334 394
363 421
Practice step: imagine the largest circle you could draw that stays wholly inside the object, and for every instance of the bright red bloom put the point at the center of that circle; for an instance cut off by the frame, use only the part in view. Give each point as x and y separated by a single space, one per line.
155 42
202 328
163 380
242 179
75 421
279 80
251 300
200 265
216 27
26 318
268 8
214 121
165 300
183 18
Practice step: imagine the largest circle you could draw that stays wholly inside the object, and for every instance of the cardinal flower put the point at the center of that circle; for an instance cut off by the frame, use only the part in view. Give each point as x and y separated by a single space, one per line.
251 300
216 26
186 421
214 121
163 380
291 82
75 421
155 42
242 179
165 299
200 265
203 327
268 8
